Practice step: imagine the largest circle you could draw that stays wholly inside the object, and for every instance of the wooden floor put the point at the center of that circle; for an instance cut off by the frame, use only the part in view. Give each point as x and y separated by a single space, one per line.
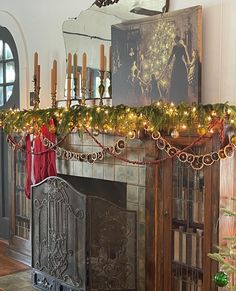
20 281
7 264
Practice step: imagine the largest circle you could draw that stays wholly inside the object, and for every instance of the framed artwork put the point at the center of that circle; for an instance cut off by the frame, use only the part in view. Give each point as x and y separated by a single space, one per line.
158 57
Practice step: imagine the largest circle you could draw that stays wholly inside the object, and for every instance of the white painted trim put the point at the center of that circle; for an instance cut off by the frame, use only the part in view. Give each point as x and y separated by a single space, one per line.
9 21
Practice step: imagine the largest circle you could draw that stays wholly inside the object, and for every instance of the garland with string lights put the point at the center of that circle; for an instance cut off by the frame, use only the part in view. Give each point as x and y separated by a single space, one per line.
129 122
123 120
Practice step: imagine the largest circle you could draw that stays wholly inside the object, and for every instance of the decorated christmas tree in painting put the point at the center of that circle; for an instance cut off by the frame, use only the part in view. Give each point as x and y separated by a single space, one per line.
158 57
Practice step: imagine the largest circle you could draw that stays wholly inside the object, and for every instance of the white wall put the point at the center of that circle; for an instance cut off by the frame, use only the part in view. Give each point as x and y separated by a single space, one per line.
37 26
219 48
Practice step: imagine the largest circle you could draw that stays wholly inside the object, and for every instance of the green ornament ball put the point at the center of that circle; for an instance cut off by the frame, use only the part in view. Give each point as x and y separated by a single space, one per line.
221 279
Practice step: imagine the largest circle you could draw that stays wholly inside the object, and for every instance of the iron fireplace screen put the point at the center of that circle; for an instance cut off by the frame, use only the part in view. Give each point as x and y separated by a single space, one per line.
82 241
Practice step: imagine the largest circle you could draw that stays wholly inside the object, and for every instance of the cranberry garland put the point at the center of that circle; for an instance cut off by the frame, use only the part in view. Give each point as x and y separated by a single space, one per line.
196 161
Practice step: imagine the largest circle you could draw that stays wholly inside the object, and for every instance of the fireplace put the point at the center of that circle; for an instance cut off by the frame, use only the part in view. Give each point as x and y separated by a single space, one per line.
116 183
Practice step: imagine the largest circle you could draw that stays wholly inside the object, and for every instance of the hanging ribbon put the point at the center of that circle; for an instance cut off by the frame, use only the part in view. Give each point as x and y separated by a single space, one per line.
28 166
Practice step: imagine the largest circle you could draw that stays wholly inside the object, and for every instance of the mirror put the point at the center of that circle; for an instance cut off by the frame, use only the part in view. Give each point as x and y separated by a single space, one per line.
93 27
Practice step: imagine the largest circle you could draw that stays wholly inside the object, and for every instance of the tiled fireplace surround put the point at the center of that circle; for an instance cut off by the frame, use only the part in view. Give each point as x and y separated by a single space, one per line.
138 178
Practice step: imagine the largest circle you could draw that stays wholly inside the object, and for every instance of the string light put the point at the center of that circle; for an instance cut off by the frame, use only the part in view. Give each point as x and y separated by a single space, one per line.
158 116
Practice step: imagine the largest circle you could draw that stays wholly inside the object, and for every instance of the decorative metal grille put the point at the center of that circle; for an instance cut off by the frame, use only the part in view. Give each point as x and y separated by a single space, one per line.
84 242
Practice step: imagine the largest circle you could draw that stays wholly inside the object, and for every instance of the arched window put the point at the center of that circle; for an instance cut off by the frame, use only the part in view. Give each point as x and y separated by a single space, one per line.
9 70
9 98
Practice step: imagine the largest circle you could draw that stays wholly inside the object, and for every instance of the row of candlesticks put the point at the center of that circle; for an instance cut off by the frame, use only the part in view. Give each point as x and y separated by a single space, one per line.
83 85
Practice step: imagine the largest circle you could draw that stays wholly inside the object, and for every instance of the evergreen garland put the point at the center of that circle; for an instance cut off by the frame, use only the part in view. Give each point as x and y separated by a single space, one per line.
121 119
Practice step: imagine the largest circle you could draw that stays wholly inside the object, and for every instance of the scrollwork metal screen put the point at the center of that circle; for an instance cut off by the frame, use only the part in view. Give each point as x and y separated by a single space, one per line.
82 241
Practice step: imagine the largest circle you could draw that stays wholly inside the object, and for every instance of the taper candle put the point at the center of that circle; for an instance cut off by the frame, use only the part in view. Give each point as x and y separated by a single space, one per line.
69 59
105 63
102 57
84 65
75 65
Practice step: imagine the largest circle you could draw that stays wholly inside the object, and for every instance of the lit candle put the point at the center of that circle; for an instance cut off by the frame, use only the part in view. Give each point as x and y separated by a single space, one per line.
84 65
55 75
75 65
35 64
102 57
110 59
105 63
69 59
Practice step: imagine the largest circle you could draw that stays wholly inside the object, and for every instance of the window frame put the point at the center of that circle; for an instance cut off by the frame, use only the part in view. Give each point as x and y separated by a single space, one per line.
7 38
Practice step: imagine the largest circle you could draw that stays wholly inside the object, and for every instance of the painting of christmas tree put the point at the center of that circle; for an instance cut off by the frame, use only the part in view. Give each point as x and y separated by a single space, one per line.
158 57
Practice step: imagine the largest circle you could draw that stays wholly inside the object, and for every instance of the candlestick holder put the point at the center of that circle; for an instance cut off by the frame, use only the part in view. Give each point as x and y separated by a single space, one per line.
110 86
83 91
54 99
68 103
101 87
75 87
36 99
90 92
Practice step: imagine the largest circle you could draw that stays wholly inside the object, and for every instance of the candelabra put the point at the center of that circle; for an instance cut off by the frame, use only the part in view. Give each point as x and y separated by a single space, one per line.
90 92
36 99
110 86
76 88
83 91
54 99
101 88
